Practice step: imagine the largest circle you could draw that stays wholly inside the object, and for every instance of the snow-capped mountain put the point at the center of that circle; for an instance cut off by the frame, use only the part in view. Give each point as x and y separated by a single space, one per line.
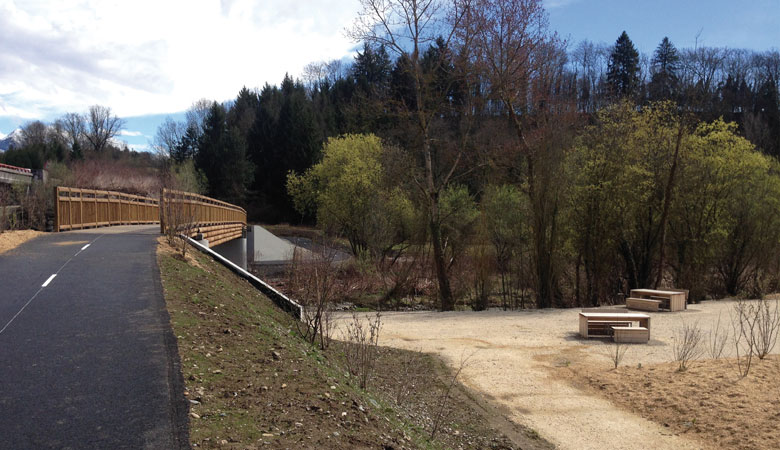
14 138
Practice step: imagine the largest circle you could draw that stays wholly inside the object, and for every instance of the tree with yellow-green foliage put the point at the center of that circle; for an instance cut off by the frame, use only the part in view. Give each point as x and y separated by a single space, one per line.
727 219
350 196
624 171
659 201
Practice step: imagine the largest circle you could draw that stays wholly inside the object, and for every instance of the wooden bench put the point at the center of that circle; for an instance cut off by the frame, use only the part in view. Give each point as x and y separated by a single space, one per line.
634 335
673 300
645 304
604 322
604 328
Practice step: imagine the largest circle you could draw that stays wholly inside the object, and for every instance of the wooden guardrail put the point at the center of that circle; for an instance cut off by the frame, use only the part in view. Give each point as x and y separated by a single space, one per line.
194 215
88 208
187 213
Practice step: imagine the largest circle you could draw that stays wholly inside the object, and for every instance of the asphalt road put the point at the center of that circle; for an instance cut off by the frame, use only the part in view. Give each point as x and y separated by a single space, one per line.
87 357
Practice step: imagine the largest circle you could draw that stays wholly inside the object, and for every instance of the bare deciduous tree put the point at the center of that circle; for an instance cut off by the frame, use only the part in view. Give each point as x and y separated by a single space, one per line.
522 63
406 28
168 136
197 113
34 133
101 127
73 126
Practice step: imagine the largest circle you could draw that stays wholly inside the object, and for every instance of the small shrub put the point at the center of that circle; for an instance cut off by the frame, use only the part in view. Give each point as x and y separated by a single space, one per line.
361 353
718 337
686 344
616 351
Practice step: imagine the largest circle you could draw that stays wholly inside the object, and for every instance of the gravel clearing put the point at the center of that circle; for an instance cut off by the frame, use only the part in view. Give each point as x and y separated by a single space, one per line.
512 357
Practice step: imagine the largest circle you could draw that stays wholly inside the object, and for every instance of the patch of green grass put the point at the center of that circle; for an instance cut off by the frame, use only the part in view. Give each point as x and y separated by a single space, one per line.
255 382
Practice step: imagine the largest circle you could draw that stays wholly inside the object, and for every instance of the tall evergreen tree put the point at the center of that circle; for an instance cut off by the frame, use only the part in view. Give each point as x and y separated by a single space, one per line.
222 157
242 113
371 70
284 137
665 66
187 146
623 68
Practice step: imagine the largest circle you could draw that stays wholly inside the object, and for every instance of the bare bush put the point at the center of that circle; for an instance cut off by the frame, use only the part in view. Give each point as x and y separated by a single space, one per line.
718 337
114 176
312 277
401 273
409 374
442 407
756 326
743 323
767 326
615 352
5 208
361 352
179 219
686 344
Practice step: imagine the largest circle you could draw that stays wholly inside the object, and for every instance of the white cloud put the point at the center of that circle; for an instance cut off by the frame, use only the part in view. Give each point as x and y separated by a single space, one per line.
138 147
553 4
130 133
151 56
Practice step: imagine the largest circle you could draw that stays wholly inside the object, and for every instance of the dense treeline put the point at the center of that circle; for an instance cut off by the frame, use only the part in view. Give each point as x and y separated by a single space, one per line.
587 170
522 167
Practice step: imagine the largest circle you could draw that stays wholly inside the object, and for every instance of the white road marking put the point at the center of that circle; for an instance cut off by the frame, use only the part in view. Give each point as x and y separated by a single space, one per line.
46 283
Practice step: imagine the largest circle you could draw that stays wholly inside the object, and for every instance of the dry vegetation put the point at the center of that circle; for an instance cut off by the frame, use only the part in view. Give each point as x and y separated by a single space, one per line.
708 401
114 176
12 239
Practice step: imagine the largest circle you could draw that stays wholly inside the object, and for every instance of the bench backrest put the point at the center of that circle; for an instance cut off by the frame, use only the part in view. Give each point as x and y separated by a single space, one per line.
605 310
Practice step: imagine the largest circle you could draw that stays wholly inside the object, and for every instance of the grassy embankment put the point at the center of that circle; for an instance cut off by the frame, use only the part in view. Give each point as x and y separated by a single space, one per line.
253 382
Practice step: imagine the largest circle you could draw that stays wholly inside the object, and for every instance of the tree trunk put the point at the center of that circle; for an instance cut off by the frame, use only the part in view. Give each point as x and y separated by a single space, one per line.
665 211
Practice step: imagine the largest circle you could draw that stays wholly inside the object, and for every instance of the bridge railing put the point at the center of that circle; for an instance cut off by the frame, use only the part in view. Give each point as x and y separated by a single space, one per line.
193 215
182 212
89 208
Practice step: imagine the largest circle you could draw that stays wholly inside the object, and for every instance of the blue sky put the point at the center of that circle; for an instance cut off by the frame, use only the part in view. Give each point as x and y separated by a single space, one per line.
60 56
753 24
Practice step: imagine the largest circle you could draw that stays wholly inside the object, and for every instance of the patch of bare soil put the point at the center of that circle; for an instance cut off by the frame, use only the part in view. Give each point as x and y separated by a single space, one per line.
12 239
253 382
708 401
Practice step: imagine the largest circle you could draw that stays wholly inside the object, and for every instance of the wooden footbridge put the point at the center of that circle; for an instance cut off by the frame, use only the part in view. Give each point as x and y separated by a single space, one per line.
197 216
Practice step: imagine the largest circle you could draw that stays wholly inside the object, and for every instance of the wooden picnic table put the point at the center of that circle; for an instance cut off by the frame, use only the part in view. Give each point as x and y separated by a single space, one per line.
587 318
674 300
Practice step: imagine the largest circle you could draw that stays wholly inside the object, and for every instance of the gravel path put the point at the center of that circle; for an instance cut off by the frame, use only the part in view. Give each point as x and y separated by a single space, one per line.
510 355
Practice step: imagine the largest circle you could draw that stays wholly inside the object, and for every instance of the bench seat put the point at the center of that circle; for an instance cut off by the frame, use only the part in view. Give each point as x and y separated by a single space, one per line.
604 328
644 304
639 335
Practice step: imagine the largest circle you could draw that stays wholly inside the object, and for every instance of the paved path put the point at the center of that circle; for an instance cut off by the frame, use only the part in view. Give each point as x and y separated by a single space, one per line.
87 356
